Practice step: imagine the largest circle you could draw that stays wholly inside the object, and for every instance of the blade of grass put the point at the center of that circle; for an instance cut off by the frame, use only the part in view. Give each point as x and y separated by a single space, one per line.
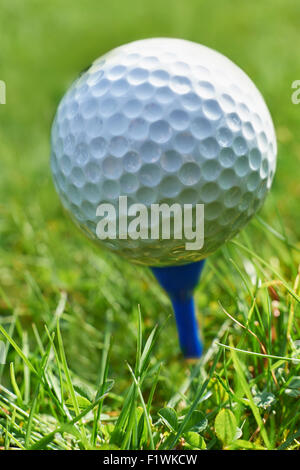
276 233
146 413
10 332
35 398
268 356
18 350
14 383
248 394
101 388
70 387
26 382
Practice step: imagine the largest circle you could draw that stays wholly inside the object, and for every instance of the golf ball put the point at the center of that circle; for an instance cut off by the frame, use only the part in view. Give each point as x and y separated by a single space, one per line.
164 121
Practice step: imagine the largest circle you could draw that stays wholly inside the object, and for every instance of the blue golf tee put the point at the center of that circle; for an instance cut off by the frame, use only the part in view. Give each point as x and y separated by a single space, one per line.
179 282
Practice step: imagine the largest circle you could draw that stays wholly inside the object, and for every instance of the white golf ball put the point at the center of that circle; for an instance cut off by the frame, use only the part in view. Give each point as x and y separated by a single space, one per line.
164 121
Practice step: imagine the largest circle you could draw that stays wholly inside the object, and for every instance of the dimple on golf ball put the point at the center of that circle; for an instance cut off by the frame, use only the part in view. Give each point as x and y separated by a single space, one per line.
164 121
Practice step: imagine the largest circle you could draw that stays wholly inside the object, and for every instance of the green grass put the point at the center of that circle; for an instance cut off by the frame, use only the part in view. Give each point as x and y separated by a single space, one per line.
86 366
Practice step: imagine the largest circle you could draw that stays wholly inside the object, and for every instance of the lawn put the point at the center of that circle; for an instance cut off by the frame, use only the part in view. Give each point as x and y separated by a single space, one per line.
92 353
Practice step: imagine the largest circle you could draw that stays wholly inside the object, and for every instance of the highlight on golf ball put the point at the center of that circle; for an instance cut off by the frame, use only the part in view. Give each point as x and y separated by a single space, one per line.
163 122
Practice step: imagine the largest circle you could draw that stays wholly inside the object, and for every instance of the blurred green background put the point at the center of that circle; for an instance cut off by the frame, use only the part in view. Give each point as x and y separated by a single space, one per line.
43 48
